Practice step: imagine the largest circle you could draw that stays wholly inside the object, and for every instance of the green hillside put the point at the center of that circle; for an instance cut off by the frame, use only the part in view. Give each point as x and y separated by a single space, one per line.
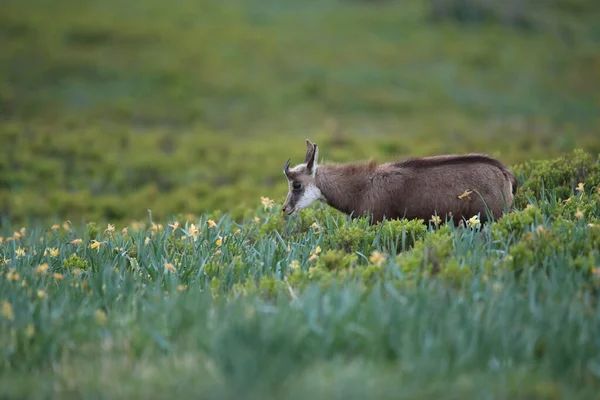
143 251
109 108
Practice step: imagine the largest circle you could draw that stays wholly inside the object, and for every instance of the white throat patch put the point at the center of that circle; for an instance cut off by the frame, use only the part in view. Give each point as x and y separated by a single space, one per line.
310 195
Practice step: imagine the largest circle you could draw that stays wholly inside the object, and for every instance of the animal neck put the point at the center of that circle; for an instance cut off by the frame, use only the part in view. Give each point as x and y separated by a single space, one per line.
343 186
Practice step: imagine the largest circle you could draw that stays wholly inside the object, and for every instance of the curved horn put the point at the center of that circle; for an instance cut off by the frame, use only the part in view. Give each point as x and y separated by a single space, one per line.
286 166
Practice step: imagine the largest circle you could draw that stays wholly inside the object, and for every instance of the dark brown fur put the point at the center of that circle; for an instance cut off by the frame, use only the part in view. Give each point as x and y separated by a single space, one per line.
415 188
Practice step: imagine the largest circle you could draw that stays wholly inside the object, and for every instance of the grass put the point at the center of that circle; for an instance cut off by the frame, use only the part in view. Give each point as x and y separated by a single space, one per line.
110 109
233 66
143 252
317 305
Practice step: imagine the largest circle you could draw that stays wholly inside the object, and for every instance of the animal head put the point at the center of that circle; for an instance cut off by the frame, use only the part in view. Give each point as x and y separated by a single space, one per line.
302 188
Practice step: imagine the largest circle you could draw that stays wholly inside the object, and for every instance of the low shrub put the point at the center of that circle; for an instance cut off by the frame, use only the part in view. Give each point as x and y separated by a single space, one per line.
559 178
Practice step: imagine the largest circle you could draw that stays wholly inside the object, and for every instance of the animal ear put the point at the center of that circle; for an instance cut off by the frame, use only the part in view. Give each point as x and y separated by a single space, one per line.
311 164
310 149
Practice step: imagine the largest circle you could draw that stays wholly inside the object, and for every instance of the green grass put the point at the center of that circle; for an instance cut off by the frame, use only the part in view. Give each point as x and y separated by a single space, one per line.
109 109
317 305
236 66
138 114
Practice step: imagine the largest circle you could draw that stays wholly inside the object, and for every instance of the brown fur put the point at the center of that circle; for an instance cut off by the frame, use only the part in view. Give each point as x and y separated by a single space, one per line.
413 188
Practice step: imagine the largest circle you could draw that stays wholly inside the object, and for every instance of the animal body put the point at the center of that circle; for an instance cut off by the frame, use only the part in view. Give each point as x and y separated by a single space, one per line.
448 186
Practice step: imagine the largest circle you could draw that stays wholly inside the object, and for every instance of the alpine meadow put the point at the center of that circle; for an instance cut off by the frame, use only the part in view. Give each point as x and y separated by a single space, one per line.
144 248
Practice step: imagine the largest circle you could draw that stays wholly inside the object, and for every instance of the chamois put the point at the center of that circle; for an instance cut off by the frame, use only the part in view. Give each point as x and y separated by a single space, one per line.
452 187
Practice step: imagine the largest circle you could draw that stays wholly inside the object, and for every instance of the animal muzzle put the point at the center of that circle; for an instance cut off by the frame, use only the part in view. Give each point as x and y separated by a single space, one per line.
287 209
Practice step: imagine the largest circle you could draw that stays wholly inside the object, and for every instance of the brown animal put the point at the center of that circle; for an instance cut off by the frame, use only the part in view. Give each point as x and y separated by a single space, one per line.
448 186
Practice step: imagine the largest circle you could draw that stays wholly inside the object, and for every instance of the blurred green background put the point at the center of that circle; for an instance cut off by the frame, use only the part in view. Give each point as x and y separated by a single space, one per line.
108 109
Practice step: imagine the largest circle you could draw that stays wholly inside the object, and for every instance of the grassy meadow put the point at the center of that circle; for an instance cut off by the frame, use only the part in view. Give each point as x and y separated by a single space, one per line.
143 252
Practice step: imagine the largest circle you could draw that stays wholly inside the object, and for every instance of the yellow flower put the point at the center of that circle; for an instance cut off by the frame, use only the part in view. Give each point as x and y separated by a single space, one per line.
257 220
124 231
219 241
194 232
51 251
95 245
465 194
55 227
147 240
578 214
4 260
67 225
436 219
267 203
174 225
100 317
377 257
42 268
580 187
156 228
211 223
170 267
41 294
20 252
181 288
12 275
313 255
110 228
7 310
474 221
76 241
57 276
1 239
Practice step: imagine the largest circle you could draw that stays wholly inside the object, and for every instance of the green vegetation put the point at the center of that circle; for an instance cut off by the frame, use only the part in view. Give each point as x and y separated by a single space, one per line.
143 253
315 305
108 109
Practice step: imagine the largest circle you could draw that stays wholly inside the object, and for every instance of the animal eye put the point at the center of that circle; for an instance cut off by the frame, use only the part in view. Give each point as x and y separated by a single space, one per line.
297 185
